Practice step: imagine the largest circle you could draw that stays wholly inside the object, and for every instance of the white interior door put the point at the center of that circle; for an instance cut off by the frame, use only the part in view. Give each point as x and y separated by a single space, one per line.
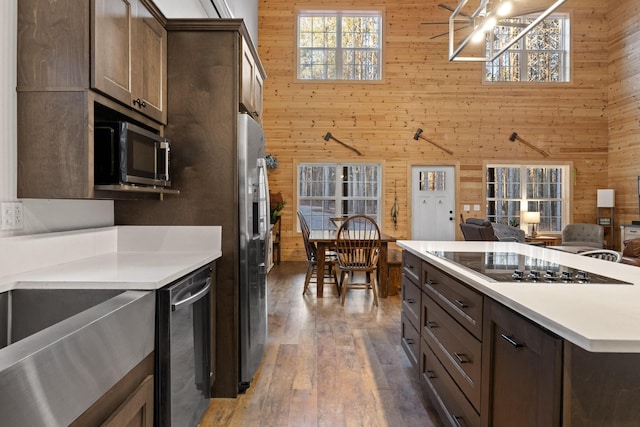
433 203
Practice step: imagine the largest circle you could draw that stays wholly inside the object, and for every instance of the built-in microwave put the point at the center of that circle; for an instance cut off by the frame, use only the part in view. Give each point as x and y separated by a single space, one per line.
125 153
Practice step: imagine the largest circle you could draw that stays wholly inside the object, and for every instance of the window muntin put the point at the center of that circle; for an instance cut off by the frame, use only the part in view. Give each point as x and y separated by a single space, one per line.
327 190
339 45
432 180
542 55
512 188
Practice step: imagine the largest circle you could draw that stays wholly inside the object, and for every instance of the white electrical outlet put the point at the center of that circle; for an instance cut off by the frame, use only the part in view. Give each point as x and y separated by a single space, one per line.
18 218
12 216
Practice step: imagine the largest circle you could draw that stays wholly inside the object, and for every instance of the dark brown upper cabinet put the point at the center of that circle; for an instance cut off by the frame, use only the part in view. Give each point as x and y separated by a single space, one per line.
251 81
58 102
129 56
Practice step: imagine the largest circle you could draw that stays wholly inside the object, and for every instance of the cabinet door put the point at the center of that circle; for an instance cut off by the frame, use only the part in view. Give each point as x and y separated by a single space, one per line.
521 373
111 54
150 66
258 84
248 72
137 410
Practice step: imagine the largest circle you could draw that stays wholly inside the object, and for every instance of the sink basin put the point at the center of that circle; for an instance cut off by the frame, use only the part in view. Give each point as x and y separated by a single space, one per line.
62 349
27 311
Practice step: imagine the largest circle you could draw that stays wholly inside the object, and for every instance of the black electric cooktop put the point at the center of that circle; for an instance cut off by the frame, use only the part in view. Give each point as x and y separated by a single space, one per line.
513 267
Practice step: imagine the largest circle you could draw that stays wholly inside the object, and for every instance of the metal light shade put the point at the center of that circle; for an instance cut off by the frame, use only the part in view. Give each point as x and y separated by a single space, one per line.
473 20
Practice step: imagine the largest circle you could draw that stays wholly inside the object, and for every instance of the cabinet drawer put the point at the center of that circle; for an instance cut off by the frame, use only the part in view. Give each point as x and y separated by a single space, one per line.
411 304
453 407
459 300
410 341
411 266
523 381
458 350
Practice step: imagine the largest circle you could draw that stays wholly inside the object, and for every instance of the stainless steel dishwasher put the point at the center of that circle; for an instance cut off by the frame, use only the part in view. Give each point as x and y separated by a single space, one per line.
182 350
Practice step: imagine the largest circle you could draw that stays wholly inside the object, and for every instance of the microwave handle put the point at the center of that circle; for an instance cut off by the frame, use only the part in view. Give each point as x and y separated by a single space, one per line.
164 145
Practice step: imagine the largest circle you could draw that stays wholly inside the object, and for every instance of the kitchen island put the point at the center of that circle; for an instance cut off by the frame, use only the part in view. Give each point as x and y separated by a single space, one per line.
496 352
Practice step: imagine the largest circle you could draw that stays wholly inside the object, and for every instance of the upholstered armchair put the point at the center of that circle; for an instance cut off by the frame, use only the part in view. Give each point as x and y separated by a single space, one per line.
583 235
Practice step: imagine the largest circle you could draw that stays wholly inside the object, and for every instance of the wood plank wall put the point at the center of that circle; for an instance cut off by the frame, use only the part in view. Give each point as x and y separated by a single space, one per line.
448 100
624 107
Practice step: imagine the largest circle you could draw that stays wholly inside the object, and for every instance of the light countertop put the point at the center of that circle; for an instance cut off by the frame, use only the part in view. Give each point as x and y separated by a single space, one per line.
123 257
598 318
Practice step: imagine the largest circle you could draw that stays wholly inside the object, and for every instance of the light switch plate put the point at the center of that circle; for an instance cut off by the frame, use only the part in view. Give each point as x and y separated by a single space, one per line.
476 207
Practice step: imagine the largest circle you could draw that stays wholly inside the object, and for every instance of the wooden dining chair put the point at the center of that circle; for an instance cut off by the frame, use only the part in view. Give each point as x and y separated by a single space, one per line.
358 250
312 259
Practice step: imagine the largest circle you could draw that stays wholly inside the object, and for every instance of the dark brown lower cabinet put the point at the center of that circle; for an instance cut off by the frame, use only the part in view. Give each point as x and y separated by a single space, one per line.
522 373
128 403
137 410
450 402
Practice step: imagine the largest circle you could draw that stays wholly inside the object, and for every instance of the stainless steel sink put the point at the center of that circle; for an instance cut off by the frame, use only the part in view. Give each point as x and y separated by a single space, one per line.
27 311
62 349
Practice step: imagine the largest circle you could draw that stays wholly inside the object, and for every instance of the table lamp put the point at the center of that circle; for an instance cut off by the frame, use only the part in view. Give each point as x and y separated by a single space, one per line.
532 218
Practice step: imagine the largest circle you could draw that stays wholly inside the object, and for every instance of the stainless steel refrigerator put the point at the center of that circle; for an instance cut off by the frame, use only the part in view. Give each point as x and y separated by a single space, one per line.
254 235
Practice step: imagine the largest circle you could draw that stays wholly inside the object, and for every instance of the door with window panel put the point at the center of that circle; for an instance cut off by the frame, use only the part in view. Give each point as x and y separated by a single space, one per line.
433 203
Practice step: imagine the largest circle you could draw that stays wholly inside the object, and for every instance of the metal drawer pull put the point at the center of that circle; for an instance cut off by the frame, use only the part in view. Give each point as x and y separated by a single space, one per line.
430 374
409 341
461 303
411 300
431 324
462 358
511 341
431 282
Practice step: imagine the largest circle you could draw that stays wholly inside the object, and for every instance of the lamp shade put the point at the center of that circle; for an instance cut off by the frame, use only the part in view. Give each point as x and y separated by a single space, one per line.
530 217
606 198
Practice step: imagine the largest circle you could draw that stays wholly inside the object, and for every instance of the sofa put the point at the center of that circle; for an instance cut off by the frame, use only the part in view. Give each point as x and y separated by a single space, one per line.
476 229
631 252
507 233
484 230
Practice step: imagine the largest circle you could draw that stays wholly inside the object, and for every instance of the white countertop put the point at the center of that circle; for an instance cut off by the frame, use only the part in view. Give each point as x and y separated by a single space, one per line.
598 318
123 257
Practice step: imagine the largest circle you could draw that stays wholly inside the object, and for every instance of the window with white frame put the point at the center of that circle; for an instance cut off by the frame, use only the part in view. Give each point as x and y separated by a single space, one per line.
537 188
542 55
339 45
328 190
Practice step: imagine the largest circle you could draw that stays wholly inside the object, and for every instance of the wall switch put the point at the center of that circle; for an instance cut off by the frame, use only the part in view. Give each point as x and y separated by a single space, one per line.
466 208
11 216
476 207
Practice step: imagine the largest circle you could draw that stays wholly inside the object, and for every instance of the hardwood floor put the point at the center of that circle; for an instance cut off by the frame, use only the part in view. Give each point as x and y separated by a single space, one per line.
327 365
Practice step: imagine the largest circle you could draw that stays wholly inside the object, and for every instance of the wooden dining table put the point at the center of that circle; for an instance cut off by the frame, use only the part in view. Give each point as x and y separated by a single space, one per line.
326 239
